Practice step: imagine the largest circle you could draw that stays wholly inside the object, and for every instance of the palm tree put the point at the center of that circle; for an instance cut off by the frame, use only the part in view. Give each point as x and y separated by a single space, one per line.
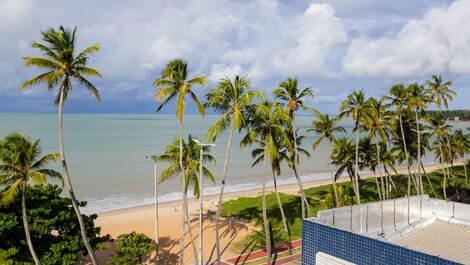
173 84
377 123
191 171
191 164
440 91
20 162
418 100
399 98
326 128
343 156
293 99
231 98
460 147
441 130
64 68
266 125
357 106
258 155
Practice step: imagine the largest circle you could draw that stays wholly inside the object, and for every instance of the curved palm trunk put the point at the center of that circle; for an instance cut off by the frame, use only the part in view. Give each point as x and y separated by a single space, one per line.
303 205
183 208
465 170
443 171
299 181
265 213
26 225
384 193
420 180
406 156
333 179
221 194
191 236
284 222
68 181
356 178
378 187
429 181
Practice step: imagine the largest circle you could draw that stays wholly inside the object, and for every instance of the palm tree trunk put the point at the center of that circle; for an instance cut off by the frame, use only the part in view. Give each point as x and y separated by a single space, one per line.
25 223
191 237
420 180
465 170
443 171
333 179
265 213
221 194
299 181
429 181
378 186
406 155
378 166
305 202
183 208
356 178
68 181
284 222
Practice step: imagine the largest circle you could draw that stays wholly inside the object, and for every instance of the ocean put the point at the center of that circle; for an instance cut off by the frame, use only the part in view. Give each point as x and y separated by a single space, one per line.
105 154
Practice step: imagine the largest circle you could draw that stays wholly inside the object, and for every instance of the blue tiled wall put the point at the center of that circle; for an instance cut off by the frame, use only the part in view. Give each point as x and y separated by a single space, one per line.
358 249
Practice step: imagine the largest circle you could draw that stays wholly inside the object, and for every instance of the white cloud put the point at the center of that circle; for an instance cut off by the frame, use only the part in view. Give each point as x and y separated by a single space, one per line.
314 37
438 42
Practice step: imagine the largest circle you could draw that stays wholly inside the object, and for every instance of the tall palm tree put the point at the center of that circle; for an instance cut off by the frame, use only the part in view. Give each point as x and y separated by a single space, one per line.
64 68
293 99
266 125
440 93
460 147
173 84
357 106
399 98
343 156
326 128
418 100
283 155
231 97
377 123
258 155
441 130
20 162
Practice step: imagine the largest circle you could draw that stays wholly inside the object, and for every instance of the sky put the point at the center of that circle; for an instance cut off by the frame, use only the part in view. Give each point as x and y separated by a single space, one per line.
332 46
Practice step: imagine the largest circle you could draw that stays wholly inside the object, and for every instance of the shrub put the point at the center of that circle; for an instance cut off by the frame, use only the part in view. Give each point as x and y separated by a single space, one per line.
54 229
131 247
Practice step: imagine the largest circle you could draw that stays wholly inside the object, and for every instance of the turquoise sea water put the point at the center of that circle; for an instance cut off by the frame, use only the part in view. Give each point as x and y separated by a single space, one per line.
105 153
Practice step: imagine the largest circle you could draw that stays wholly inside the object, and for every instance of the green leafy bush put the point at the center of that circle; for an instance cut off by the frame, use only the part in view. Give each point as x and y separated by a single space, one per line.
54 229
131 247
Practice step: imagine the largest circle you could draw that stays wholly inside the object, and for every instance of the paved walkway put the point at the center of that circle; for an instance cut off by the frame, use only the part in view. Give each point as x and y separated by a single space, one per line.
262 254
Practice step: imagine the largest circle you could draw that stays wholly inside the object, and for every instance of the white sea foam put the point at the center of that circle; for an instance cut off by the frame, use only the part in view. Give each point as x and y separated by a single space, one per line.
116 202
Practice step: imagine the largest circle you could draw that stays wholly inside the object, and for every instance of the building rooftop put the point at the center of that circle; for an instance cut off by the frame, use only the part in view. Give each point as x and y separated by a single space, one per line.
420 223
443 239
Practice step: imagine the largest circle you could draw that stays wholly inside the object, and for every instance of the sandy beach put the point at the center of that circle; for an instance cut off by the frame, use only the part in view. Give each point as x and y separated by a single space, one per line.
141 219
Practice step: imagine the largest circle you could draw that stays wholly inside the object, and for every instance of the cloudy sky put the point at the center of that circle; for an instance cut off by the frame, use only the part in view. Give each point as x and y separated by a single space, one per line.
333 46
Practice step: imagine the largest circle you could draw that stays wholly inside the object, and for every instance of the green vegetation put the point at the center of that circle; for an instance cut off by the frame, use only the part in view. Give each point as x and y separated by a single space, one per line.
54 231
131 247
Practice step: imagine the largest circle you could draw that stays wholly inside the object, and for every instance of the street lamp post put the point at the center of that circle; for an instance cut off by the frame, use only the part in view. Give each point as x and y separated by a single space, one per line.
201 204
157 245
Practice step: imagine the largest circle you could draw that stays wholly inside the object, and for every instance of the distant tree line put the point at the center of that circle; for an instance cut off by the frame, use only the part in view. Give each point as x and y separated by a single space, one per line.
452 114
